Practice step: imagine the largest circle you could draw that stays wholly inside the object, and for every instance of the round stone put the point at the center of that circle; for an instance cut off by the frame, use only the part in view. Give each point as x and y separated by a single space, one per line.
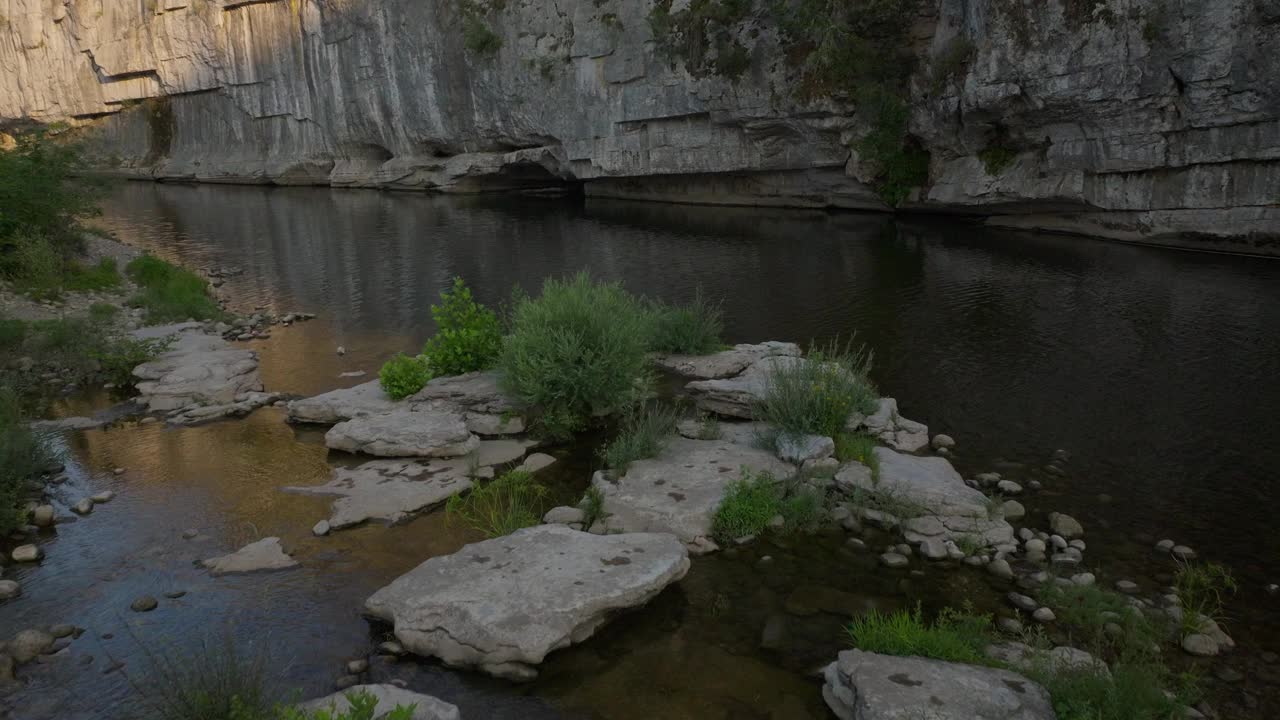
1182 552
1009 487
1084 579
62 630
1200 645
321 528
893 560
146 603
27 553
9 589
105 496
1009 625
1000 568
1022 602
1128 587
1034 545
1012 510
1165 545
941 441
42 516
190 533
1044 615
356 667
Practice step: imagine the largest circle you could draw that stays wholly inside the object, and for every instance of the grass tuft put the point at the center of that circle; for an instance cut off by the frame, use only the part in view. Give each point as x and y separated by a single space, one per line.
692 329
954 636
816 395
750 502
169 293
1200 588
644 433
500 507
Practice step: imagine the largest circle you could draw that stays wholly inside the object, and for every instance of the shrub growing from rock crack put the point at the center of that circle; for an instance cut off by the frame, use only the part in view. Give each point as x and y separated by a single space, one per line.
644 433
816 395
576 352
402 376
469 337
500 507
692 329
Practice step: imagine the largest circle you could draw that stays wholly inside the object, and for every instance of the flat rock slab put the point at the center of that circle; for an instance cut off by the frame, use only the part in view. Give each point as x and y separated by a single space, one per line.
390 490
244 404
404 433
197 369
866 686
265 554
726 363
679 491
502 605
477 392
344 404
425 707
737 395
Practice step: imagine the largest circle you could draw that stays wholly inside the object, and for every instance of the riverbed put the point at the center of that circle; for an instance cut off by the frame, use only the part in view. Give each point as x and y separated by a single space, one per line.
1157 371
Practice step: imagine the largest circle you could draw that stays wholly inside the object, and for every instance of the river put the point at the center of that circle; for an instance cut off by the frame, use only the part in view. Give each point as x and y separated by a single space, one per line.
1158 371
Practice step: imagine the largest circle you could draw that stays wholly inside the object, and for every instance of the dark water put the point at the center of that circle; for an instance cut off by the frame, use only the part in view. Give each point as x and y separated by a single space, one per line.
1158 371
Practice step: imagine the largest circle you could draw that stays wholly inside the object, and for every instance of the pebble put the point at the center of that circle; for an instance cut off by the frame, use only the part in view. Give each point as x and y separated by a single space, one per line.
42 516
1009 487
1269 657
1000 568
146 603
321 528
1013 510
1035 484
941 441
1083 579
118 471
1044 615
1273 589
1228 674
1165 545
357 667
62 630
1058 542
105 496
391 647
1034 545
856 543
1128 587
341 351
1022 602
175 594
1200 645
893 560
1025 534
346 681
1009 625
1065 526
27 553
1077 544
1182 552
83 507
190 533
9 589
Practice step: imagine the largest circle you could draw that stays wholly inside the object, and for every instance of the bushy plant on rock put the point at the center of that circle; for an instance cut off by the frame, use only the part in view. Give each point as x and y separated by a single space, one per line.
469 337
403 376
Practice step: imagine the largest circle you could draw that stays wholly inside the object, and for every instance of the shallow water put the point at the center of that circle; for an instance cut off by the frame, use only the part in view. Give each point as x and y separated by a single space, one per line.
1156 370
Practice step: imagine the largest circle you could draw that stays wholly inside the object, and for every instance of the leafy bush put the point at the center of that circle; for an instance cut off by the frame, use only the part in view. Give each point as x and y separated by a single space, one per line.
103 312
500 507
750 502
816 395
955 636
1129 691
43 191
22 455
576 352
803 510
170 293
644 433
692 329
103 276
856 447
117 358
469 337
403 376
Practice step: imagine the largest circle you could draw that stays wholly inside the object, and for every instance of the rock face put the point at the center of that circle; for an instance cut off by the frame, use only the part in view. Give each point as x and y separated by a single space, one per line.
894 430
866 686
679 491
389 490
735 396
344 404
404 433
197 370
475 608
425 707
1132 121
726 363
265 554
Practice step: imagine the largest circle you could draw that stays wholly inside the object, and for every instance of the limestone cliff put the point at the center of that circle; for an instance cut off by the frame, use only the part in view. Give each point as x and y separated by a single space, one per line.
1156 120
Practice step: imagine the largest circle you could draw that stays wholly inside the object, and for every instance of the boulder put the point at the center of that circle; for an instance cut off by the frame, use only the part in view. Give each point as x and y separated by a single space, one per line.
26 645
737 395
42 516
390 490
197 369
867 686
404 433
799 449
477 392
502 605
894 430
726 363
425 707
1065 525
27 553
9 589
679 491
340 405
265 554
536 462
244 404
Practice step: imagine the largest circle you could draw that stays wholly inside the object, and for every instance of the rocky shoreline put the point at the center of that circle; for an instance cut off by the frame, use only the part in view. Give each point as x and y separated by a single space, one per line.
501 606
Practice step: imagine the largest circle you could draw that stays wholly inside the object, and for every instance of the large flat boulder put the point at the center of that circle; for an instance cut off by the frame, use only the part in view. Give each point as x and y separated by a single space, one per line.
390 490
866 686
404 433
948 509
265 554
726 363
344 404
502 605
476 392
196 369
387 697
737 396
679 491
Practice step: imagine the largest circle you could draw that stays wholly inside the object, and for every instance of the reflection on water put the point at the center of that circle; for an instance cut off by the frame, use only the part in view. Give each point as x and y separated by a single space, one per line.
1156 370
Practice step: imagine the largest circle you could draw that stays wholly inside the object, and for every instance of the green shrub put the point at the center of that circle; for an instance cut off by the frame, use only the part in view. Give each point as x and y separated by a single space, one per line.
1129 691
692 329
803 511
12 333
750 502
500 507
955 636
34 265
22 455
117 358
468 338
592 506
858 447
1085 611
170 293
403 376
103 276
576 352
103 312
44 193
816 395
644 433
